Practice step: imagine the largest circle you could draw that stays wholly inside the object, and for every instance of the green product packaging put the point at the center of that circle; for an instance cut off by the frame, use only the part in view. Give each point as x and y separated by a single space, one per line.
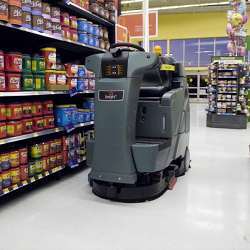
27 82
26 63
39 82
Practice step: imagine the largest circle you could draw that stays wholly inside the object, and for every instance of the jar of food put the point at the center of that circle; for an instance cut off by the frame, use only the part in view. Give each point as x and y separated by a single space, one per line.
2 81
15 15
90 28
72 82
52 161
26 19
47 26
50 58
24 172
37 23
45 149
55 14
27 110
96 42
15 175
27 5
32 168
23 156
50 77
39 166
4 11
14 159
37 109
49 122
45 163
65 19
73 22
73 35
39 82
48 107
91 40
61 78
27 82
59 160
6 179
71 70
14 111
1 59
96 30
14 128
27 126
66 32
4 161
26 64
3 130
83 38
38 123
13 62
82 25
38 64
46 10
56 30
36 151
36 7
2 112
13 82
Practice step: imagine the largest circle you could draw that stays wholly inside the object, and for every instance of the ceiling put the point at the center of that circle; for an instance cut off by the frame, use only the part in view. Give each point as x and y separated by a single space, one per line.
179 3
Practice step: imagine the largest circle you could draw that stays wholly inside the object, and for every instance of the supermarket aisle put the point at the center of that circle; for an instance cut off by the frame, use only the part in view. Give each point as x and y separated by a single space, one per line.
209 208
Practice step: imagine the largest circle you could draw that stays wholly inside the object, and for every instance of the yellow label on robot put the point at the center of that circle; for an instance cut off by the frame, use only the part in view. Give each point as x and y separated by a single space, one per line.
167 67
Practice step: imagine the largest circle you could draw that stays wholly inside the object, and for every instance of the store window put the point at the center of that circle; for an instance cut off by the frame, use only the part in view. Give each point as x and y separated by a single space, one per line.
221 46
206 51
177 50
191 53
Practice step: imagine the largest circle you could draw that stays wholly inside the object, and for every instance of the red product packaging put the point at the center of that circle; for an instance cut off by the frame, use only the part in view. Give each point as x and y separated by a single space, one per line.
2 82
49 122
73 22
14 111
1 60
37 109
13 82
38 123
3 130
2 112
59 160
13 62
27 109
27 126
73 35
14 128
45 149
48 107
23 156
65 157
66 33
24 172
45 163
65 19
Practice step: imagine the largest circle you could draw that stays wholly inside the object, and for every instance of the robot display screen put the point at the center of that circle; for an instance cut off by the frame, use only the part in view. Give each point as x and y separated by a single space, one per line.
114 70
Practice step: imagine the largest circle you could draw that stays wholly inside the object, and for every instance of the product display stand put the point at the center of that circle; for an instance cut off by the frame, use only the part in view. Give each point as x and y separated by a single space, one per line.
24 160
227 93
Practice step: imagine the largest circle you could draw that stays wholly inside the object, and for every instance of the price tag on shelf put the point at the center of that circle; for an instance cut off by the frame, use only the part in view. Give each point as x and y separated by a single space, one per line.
24 183
32 179
53 170
40 176
46 173
14 187
6 190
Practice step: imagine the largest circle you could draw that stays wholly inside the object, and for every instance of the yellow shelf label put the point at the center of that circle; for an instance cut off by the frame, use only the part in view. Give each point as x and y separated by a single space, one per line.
32 179
25 183
40 176
167 67
6 190
46 173
14 187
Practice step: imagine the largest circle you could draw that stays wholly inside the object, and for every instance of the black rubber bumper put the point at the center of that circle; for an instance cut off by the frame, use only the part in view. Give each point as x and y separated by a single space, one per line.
129 193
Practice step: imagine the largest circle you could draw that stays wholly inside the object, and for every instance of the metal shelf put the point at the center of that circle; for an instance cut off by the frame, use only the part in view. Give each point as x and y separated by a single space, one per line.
226 101
38 177
227 93
39 39
227 77
77 10
42 133
40 93
228 69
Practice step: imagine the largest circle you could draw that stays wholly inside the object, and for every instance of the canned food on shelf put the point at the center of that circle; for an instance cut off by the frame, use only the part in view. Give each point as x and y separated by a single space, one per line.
15 175
26 19
38 123
2 81
32 168
50 58
50 77
49 122
26 63
1 60
82 24
45 149
47 26
73 22
37 109
66 33
27 110
39 81
73 35
27 126
55 14
15 15
2 112
4 11
13 82
48 107
23 156
27 5
27 82
38 64
46 11
6 179
65 19
4 161
36 7
3 130
24 172
13 62
36 151
14 158
14 128
14 111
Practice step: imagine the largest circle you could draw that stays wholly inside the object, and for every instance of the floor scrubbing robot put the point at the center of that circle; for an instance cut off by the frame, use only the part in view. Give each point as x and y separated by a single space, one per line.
142 123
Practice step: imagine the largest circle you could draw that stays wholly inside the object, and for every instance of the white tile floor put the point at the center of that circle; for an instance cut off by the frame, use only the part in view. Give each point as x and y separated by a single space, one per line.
208 210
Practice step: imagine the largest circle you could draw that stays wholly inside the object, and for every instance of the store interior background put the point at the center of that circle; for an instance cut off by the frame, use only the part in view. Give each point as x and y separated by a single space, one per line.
192 36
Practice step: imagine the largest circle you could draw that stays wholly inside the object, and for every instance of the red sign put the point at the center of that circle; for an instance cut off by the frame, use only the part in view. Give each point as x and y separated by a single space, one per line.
134 23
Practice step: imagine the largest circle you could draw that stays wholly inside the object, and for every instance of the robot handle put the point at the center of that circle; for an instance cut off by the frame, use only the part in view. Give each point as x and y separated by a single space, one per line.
128 45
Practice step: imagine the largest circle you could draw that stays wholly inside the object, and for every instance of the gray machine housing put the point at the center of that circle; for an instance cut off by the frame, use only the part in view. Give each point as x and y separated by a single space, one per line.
142 119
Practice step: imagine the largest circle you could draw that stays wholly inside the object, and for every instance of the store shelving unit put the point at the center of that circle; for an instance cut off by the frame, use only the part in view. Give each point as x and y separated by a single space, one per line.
15 38
227 93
